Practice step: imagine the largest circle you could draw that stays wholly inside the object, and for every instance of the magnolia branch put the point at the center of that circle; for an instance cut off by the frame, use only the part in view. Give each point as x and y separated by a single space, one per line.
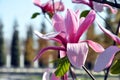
108 2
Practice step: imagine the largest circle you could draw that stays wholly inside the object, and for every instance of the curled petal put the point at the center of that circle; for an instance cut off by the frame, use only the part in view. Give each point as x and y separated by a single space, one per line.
95 46
77 53
48 48
56 36
111 35
105 59
114 11
47 36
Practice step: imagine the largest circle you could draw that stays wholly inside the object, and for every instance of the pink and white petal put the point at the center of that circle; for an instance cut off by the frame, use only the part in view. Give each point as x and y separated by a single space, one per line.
58 23
48 48
59 6
86 24
114 11
47 36
62 54
37 3
71 24
95 46
53 77
46 75
77 53
77 12
111 35
105 59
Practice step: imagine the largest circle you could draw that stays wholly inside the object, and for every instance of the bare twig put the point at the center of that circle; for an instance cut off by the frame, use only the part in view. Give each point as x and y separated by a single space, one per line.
90 74
72 74
109 3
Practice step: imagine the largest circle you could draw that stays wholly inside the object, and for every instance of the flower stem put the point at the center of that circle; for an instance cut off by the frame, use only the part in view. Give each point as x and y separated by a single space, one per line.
90 74
107 73
53 5
72 74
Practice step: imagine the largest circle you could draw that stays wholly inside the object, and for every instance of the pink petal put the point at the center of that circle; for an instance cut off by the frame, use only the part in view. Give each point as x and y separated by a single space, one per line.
86 24
37 3
62 54
46 36
56 36
77 13
48 7
58 23
111 35
71 24
77 53
48 48
95 46
98 6
53 77
105 59
59 6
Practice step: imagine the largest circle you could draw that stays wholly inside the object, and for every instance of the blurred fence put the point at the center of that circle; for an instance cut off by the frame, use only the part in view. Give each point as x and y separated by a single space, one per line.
39 71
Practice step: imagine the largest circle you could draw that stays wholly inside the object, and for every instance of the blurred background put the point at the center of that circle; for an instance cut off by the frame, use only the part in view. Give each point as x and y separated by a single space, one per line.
19 45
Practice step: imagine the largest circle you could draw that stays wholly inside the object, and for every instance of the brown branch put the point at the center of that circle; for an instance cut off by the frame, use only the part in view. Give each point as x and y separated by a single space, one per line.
109 3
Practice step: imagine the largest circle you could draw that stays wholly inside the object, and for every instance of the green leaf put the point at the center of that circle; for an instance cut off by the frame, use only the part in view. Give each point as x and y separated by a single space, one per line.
84 13
63 67
115 69
35 15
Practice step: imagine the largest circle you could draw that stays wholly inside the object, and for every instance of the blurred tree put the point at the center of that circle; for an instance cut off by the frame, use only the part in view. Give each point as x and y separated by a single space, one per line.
91 55
43 61
29 50
2 53
50 55
15 50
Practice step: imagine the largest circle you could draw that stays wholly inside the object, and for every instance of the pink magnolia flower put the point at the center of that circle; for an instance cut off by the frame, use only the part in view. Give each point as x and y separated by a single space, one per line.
94 5
48 7
105 59
68 32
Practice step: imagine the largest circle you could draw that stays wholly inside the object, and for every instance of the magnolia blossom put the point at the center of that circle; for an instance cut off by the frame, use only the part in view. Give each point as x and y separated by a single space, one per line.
68 32
94 5
105 59
48 7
